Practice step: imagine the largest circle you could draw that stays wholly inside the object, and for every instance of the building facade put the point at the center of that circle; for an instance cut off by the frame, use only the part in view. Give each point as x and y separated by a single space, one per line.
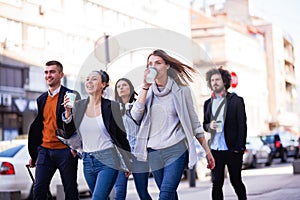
261 55
35 31
232 46
281 80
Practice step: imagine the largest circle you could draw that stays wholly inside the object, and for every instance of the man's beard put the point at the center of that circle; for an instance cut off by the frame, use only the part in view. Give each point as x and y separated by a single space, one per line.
218 89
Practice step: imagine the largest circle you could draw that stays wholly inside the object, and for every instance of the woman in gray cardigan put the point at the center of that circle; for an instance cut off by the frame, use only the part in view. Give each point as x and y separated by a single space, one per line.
168 123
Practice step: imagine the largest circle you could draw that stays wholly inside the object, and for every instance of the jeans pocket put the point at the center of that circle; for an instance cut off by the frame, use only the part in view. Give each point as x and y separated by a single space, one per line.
42 154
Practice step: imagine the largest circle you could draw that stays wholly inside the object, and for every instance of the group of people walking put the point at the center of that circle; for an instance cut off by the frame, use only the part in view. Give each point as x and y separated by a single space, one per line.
137 133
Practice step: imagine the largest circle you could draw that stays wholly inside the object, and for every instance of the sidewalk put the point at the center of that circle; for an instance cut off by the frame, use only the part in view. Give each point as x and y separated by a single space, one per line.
268 183
202 189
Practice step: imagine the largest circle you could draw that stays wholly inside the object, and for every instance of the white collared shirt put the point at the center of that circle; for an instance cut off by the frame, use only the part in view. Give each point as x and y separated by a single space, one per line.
56 91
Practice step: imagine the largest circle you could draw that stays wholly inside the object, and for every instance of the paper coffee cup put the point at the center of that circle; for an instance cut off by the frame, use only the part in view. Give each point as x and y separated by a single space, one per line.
152 75
71 96
219 126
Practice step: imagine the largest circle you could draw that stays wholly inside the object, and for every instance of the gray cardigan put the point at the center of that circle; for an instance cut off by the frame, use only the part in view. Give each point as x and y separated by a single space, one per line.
186 113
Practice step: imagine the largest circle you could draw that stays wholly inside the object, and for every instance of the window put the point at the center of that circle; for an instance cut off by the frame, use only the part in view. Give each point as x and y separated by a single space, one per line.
55 41
125 22
74 11
35 1
78 47
93 15
12 2
35 36
54 4
11 152
11 77
3 33
110 17
11 31
36 75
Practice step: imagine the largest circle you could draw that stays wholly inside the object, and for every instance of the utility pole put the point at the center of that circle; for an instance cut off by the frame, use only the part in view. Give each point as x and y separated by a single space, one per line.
106 45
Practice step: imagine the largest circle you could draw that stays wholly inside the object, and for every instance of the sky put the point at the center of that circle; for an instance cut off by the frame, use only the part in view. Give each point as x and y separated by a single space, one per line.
283 13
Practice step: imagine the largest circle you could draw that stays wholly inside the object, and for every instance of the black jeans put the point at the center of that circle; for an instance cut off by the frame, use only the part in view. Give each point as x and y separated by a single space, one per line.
49 160
234 164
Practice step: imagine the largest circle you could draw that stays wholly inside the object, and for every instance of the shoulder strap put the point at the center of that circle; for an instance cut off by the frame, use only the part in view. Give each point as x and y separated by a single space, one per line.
214 117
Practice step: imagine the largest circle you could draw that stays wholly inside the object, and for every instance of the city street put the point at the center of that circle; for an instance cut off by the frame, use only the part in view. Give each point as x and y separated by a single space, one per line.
230 66
276 182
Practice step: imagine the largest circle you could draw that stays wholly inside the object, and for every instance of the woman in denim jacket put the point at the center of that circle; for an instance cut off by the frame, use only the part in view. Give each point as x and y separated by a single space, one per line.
125 94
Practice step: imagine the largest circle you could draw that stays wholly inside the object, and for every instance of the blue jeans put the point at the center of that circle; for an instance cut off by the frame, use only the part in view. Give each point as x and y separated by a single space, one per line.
48 161
140 176
167 166
100 172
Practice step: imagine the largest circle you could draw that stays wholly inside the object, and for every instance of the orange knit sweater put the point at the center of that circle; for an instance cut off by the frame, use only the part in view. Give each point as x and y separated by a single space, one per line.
49 137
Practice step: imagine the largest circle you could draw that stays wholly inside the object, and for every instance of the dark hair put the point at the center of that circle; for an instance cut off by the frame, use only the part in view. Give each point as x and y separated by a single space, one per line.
180 71
226 77
55 62
104 77
132 92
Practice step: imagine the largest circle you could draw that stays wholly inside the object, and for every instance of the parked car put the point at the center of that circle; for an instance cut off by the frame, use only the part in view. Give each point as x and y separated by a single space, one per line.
283 145
256 153
14 174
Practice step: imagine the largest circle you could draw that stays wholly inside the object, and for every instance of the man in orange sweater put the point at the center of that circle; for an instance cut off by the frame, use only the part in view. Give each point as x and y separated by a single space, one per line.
47 152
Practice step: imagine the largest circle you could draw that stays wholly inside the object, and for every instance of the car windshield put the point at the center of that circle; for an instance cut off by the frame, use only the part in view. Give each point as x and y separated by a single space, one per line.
11 152
268 139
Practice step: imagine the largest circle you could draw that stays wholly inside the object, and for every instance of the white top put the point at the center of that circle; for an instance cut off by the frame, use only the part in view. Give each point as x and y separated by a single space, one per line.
94 134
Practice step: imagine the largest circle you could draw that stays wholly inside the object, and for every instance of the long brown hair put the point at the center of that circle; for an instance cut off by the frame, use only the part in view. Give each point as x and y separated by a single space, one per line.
179 71
132 92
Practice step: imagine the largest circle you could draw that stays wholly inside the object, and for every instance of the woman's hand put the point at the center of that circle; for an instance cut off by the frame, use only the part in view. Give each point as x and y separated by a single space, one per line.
146 84
127 174
210 161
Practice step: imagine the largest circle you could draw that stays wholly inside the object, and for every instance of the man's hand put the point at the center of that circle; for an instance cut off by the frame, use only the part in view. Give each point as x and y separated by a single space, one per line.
213 125
32 163
74 153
